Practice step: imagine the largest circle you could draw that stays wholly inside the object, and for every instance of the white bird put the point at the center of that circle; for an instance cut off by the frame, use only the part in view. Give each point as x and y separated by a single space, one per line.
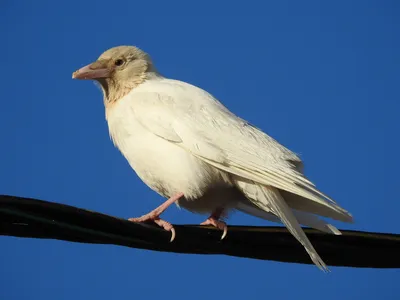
188 147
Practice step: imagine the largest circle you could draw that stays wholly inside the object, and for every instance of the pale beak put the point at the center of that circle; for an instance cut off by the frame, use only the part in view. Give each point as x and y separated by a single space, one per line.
96 70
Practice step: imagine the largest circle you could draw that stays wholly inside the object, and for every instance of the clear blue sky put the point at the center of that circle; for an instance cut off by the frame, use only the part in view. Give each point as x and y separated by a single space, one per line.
322 77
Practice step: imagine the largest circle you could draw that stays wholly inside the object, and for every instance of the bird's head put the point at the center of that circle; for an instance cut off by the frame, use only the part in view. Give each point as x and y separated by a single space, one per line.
118 70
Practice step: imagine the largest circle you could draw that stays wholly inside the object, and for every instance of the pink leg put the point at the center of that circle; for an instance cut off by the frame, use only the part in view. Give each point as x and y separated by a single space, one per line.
213 220
154 215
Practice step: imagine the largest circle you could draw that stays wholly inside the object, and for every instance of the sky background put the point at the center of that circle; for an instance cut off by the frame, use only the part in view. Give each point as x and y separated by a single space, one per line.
322 77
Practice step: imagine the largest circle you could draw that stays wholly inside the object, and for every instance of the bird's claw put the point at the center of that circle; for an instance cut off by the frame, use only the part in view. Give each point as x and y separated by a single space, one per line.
167 226
218 224
154 215
160 222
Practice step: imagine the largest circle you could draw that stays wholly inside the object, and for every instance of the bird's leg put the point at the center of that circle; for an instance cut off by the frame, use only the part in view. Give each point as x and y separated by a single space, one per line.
213 220
154 215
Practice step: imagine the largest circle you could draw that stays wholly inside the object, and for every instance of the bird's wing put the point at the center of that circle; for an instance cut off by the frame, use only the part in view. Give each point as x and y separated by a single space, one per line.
196 121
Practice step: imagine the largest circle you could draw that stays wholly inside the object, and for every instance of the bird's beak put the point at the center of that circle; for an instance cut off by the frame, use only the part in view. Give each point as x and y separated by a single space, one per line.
96 70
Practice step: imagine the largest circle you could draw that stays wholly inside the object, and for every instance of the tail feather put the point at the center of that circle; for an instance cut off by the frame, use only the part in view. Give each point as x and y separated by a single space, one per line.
283 211
303 218
303 204
269 199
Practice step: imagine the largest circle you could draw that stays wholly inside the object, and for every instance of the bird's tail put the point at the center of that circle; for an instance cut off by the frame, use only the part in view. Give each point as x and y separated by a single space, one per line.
305 205
303 218
269 200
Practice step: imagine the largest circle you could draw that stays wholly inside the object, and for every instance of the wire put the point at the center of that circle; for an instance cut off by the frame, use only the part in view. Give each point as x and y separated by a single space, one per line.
33 218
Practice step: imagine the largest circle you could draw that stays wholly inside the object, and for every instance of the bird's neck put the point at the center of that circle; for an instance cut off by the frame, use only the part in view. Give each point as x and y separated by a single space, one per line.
113 90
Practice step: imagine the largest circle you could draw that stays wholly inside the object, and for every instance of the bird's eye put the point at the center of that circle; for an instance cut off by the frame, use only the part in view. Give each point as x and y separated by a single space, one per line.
119 62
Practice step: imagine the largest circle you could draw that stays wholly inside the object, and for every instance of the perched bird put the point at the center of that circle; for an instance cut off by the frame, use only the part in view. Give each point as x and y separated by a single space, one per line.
188 147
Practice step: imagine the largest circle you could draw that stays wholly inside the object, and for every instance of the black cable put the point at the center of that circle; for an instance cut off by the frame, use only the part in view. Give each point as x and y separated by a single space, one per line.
32 218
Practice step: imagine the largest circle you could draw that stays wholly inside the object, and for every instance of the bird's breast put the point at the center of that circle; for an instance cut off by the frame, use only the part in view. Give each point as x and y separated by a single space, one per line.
163 165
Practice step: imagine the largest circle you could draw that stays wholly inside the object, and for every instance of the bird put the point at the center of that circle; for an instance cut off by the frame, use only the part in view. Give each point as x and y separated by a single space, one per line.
192 150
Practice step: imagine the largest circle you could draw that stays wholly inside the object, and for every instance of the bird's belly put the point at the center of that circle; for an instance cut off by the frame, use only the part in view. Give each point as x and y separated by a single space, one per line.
169 169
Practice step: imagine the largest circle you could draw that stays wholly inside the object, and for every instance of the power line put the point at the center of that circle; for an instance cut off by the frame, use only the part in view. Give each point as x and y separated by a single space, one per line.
33 218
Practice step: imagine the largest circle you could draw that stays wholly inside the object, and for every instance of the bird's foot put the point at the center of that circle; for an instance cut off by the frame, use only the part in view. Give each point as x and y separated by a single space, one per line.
218 224
156 219
154 216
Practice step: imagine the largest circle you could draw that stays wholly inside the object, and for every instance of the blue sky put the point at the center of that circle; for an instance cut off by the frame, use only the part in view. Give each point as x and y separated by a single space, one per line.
321 77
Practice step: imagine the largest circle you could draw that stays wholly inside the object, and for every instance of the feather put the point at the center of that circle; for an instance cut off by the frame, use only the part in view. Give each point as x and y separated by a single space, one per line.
306 219
269 199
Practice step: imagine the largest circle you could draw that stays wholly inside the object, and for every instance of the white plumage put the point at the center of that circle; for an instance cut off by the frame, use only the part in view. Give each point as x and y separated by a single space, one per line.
180 139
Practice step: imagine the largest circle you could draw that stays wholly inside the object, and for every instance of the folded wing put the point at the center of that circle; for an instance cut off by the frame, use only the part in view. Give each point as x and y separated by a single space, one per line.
194 120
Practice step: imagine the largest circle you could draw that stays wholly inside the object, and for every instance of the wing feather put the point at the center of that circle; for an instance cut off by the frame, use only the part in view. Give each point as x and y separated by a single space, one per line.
197 122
